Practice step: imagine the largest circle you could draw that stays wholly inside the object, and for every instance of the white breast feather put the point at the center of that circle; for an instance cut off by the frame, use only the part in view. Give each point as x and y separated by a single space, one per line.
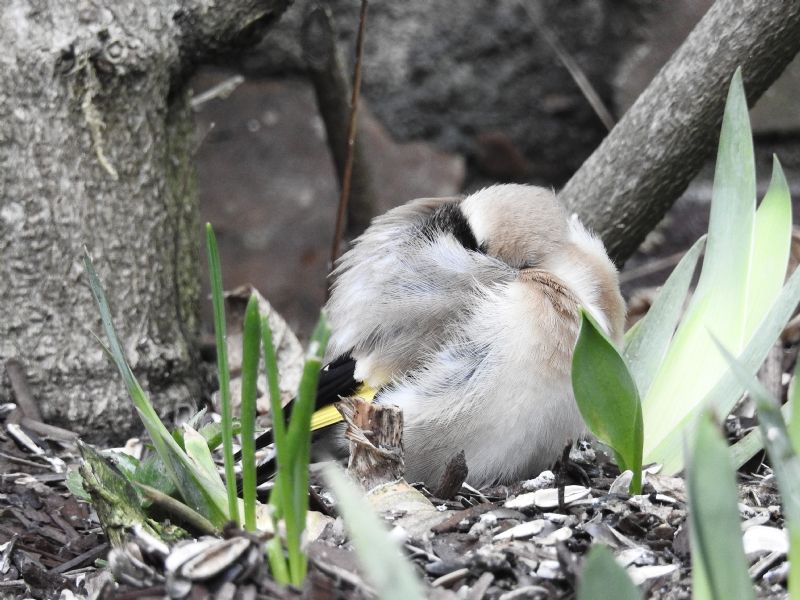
492 392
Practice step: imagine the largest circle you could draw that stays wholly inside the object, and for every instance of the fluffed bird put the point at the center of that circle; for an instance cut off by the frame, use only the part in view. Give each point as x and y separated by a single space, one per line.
465 313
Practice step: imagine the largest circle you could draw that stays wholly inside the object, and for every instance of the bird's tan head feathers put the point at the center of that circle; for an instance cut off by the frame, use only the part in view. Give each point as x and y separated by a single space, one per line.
526 227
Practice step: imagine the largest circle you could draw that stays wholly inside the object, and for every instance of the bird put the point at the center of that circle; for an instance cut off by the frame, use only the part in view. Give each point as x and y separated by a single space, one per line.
464 312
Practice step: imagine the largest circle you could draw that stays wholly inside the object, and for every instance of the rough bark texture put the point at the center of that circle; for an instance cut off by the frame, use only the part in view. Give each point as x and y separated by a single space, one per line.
95 148
624 189
375 433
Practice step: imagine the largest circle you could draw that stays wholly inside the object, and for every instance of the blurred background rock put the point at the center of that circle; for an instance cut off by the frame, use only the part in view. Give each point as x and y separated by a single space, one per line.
457 94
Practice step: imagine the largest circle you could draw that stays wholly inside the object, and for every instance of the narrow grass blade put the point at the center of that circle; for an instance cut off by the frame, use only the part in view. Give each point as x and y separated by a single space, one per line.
294 478
250 356
603 577
607 397
382 562
647 344
215 275
718 558
785 461
281 495
277 561
195 489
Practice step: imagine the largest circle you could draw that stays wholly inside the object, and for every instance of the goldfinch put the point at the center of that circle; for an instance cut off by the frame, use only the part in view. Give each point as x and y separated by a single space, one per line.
465 313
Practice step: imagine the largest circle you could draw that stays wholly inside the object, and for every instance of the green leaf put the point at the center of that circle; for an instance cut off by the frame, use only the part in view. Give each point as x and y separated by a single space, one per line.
74 484
793 419
692 367
250 356
603 577
728 390
718 560
738 297
281 494
215 276
646 344
298 441
607 397
197 450
769 256
383 564
195 489
785 461
152 473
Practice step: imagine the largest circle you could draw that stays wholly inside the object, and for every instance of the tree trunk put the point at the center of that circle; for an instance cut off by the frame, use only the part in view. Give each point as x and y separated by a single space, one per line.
629 183
96 148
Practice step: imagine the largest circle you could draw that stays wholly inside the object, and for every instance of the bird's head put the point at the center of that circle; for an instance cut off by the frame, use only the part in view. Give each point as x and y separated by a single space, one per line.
520 225
527 227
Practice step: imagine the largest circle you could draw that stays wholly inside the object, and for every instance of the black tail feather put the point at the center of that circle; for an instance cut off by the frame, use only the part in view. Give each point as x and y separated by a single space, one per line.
335 380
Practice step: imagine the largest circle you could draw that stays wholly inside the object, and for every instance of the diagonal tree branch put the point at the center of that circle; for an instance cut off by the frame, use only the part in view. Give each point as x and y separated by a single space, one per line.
629 183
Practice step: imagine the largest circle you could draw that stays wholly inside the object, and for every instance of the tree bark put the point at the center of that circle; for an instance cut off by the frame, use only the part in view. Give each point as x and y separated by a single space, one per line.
629 183
96 148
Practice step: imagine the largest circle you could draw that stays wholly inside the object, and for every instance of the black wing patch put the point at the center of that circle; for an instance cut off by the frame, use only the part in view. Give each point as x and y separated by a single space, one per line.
335 380
448 218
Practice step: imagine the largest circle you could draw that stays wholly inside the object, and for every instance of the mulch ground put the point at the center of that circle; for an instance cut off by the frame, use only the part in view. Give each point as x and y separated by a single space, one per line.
500 543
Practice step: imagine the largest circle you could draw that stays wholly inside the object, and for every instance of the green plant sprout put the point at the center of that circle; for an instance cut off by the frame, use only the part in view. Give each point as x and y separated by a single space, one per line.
673 361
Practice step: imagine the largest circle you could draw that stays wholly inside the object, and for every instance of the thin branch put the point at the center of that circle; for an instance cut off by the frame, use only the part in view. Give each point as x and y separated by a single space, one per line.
333 91
351 136
571 65
22 391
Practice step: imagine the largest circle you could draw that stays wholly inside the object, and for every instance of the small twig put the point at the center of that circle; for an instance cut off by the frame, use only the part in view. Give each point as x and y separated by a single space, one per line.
571 65
339 573
22 461
325 68
351 136
22 392
87 556
454 475
179 511
481 586
49 431
222 90
561 475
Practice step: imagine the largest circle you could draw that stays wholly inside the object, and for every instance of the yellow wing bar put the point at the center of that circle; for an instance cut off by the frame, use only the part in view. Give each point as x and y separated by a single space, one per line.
328 415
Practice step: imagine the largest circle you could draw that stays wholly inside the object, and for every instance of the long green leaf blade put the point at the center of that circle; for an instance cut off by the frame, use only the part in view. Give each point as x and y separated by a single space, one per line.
717 552
215 276
793 419
769 256
607 397
728 390
692 367
384 566
195 490
648 343
603 577
298 441
280 496
250 356
785 460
